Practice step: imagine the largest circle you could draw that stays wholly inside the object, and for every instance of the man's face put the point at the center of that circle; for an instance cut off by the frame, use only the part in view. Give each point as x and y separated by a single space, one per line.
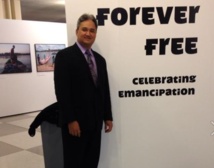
86 33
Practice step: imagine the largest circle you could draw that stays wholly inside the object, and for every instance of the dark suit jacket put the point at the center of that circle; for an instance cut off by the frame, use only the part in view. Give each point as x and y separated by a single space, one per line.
79 99
49 114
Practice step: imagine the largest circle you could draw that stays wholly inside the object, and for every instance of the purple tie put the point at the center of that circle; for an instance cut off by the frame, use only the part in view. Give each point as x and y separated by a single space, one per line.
91 66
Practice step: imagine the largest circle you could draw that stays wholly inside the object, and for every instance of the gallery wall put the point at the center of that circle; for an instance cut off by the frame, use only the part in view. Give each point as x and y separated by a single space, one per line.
28 92
160 63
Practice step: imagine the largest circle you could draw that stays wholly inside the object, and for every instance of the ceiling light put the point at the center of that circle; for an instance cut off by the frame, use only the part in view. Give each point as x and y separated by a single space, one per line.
60 2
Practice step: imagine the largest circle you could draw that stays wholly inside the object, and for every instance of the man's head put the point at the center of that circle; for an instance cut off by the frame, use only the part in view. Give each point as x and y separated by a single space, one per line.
86 30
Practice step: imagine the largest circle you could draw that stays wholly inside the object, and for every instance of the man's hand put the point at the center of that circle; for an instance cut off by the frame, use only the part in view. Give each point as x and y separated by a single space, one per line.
108 126
74 128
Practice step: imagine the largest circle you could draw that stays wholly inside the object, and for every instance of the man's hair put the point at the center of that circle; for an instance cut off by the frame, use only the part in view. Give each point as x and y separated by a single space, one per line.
85 17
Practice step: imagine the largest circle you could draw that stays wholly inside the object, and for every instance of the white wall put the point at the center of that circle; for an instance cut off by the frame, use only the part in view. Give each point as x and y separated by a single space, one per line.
20 93
159 131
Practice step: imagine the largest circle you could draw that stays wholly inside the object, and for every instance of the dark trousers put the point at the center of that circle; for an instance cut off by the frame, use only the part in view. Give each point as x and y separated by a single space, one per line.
81 152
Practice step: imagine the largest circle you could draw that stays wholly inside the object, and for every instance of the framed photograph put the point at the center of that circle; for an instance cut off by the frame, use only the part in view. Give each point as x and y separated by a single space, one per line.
45 56
15 58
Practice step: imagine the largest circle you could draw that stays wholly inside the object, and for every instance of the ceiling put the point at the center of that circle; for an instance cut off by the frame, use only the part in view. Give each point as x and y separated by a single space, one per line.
43 10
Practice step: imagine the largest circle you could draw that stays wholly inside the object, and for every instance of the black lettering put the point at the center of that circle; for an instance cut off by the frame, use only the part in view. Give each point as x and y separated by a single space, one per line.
147 16
141 81
134 81
133 13
191 45
162 48
123 14
180 16
101 15
150 46
177 46
121 94
192 13
164 19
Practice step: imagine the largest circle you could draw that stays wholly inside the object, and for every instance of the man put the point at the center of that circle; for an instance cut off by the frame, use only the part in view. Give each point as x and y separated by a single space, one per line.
82 90
12 51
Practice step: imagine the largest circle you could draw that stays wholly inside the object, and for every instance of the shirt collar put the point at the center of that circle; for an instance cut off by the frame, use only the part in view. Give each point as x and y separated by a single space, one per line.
82 48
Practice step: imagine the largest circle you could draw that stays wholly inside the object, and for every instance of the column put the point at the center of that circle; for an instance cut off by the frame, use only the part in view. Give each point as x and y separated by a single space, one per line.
7 9
10 9
16 9
1 10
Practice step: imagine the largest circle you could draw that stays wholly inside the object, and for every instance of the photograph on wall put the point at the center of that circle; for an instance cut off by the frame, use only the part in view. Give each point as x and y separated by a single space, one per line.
15 58
45 56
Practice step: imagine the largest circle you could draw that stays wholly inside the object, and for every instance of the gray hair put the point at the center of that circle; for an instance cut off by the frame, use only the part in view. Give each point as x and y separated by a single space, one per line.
85 17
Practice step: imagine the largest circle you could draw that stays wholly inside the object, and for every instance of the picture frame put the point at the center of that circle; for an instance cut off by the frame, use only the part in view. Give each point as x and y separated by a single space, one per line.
15 58
45 55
